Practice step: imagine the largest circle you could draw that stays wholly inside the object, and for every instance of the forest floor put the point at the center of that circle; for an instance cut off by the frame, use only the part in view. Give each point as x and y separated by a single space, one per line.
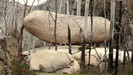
122 70
56 74
126 70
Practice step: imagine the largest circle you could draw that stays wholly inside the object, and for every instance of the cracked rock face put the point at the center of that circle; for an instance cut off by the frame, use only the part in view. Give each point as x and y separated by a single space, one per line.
41 24
8 50
53 62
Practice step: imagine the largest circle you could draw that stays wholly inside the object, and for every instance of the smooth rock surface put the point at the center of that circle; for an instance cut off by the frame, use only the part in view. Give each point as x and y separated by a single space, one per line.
41 24
98 55
53 62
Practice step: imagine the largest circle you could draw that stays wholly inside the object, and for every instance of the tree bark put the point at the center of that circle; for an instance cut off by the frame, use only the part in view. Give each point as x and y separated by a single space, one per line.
85 34
55 27
110 65
118 37
68 23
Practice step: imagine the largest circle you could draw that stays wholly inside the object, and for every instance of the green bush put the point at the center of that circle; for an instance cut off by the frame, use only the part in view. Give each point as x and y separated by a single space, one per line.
21 68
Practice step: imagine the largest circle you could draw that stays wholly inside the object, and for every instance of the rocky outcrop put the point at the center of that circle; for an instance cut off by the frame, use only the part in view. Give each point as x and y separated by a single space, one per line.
41 56
41 25
8 51
53 61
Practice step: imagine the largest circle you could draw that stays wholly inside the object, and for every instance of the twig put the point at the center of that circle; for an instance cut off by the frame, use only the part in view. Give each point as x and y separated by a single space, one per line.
31 6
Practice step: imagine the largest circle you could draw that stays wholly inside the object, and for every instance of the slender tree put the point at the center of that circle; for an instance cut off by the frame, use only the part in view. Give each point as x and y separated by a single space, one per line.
68 23
112 17
21 35
74 8
132 57
79 7
55 27
5 17
118 36
61 2
91 13
31 6
104 2
85 34
105 17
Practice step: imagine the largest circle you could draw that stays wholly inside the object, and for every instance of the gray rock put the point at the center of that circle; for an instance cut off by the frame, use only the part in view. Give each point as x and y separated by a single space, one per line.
8 51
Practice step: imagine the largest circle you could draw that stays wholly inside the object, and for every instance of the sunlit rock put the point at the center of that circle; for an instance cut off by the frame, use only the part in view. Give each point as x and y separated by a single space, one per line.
41 25
53 61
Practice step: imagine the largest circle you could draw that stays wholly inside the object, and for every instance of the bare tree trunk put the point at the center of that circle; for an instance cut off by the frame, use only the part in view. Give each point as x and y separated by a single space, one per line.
31 6
105 31
105 13
79 7
74 8
110 65
85 34
91 13
38 4
21 35
5 17
60 6
55 25
69 31
132 57
118 37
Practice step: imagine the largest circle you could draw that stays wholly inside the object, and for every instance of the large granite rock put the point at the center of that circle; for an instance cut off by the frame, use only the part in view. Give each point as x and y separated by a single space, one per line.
97 58
53 62
41 25
99 55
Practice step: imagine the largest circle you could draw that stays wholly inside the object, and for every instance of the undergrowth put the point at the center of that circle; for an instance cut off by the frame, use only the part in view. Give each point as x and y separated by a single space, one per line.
21 68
